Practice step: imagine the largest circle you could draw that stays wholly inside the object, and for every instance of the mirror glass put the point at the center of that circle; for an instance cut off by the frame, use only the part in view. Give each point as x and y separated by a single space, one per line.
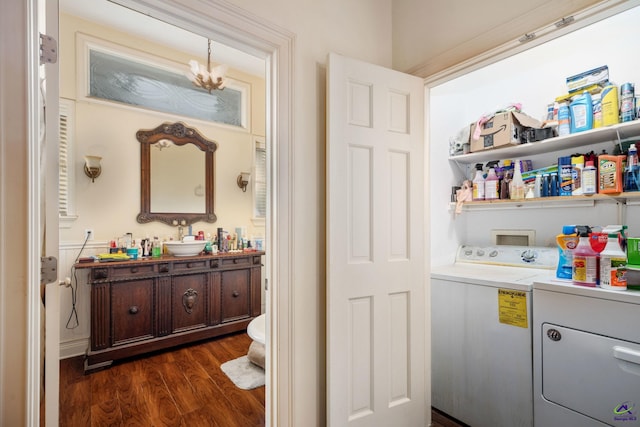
177 175
177 178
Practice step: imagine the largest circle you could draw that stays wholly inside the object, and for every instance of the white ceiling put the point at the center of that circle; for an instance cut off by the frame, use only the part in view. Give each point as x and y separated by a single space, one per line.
126 20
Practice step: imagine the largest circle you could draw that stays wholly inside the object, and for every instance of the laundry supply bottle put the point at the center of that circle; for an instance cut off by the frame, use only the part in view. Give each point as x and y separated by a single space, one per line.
585 260
577 165
478 183
581 113
491 185
589 178
505 183
516 189
567 242
613 262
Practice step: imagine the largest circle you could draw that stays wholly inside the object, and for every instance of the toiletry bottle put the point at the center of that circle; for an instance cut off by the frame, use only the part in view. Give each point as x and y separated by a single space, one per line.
567 242
491 185
516 189
589 178
478 183
585 260
612 265
156 249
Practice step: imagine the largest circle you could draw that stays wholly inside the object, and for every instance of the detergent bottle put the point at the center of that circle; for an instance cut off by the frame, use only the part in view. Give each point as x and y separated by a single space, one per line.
613 261
567 242
491 184
585 260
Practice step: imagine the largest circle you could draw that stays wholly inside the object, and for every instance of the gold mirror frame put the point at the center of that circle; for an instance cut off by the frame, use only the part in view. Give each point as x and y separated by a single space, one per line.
179 134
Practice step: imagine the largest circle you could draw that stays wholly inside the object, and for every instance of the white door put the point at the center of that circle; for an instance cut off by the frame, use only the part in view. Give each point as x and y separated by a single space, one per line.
376 373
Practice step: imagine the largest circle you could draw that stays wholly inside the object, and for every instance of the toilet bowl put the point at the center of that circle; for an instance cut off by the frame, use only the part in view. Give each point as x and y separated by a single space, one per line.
256 329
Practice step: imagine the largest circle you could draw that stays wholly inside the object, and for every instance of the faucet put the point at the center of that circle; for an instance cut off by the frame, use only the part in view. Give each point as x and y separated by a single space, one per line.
180 232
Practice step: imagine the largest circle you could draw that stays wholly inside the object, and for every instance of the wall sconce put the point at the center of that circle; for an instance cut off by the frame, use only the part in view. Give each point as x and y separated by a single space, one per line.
243 180
92 167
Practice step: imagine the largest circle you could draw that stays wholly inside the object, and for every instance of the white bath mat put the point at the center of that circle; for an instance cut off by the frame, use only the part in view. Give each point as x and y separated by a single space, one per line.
243 373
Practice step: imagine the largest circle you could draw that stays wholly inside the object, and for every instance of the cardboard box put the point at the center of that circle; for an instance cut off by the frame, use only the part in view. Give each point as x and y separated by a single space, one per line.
502 130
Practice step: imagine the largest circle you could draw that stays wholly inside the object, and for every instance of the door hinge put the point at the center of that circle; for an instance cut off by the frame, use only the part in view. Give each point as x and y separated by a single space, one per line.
48 49
266 284
48 270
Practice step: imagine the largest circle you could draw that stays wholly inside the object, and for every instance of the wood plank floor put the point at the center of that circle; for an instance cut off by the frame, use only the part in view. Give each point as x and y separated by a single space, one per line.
182 387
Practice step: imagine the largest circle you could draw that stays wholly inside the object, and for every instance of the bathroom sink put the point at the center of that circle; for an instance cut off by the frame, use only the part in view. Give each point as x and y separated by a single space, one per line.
188 248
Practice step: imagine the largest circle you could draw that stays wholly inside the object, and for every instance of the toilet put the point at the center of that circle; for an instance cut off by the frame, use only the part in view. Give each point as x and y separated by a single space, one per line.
256 330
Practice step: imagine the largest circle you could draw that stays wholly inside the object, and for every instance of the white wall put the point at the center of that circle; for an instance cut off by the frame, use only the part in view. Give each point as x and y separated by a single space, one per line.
533 78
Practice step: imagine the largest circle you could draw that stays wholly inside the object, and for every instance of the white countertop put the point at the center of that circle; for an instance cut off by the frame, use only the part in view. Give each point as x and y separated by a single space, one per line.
557 285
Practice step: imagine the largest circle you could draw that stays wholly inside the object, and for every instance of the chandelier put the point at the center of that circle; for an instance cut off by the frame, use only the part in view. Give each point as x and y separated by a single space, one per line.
205 77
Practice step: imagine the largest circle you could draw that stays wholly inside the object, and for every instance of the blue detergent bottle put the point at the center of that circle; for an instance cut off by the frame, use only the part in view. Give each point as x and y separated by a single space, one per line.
581 113
567 242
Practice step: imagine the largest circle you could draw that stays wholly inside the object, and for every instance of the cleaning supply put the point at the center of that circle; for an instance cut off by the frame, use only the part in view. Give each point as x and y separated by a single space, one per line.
627 102
564 127
589 179
567 242
612 265
478 183
609 174
566 178
609 101
581 113
516 189
585 260
632 170
596 101
577 164
491 185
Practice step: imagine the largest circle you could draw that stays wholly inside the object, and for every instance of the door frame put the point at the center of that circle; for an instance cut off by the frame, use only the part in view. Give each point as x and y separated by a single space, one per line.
237 28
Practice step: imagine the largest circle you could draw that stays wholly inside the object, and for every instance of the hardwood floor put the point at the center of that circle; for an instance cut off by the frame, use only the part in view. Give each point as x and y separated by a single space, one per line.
182 387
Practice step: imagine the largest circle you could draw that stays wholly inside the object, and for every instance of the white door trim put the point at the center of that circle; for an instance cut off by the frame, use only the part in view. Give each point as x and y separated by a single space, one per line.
235 27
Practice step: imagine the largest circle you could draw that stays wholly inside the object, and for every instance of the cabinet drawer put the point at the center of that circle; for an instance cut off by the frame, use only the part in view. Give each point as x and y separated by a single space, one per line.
235 262
131 311
190 265
235 295
132 270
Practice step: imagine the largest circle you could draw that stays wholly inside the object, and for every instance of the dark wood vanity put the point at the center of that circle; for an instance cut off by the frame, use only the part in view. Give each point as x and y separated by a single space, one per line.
139 306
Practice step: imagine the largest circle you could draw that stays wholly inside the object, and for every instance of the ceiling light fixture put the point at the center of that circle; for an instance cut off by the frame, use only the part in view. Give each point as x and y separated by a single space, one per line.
205 77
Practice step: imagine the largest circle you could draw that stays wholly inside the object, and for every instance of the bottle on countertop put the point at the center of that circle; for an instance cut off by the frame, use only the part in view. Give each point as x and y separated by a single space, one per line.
478 183
567 242
612 265
585 260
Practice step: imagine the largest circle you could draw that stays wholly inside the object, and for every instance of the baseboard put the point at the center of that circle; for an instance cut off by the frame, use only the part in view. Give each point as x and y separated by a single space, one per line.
74 348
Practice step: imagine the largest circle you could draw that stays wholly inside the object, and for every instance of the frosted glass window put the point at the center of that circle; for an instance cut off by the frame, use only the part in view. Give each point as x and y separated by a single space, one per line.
120 79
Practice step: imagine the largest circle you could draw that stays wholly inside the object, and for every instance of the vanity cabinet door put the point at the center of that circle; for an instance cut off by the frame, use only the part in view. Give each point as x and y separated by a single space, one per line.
235 290
131 310
189 301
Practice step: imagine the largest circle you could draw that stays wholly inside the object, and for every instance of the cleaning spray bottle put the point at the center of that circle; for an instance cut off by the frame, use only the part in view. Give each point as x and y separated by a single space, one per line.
613 261
585 260
491 183
567 242
478 183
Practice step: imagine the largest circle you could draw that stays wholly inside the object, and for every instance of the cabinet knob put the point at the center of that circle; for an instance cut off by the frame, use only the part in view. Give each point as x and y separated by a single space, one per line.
235 294
133 309
235 260
164 268
134 269
189 265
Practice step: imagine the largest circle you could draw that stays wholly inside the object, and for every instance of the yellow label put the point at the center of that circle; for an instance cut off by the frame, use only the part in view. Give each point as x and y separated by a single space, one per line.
512 307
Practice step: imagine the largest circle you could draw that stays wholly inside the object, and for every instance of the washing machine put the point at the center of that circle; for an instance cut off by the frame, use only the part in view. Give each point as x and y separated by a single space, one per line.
481 335
586 356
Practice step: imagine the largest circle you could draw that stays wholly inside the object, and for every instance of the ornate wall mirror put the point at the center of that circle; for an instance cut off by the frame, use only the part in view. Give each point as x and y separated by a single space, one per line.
176 175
